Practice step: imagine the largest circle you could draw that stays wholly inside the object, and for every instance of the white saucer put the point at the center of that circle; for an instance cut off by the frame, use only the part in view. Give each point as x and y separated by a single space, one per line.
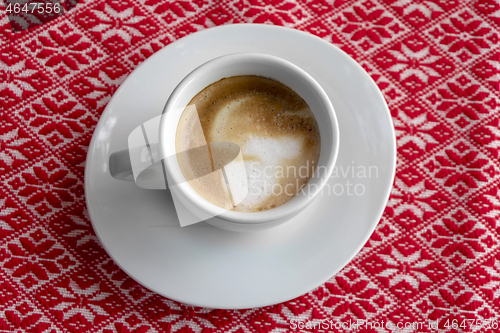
205 266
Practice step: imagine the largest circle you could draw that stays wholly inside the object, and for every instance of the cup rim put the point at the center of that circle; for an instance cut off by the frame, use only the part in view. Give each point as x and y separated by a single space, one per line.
289 208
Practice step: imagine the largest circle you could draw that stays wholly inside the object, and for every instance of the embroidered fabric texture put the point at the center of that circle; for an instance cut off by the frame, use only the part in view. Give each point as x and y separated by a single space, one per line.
435 253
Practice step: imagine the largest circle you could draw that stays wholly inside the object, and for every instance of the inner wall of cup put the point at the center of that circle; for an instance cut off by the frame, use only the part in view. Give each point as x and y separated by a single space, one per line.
273 68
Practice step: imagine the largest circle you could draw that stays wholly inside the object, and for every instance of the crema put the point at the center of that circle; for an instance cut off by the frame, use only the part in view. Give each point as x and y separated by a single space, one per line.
274 128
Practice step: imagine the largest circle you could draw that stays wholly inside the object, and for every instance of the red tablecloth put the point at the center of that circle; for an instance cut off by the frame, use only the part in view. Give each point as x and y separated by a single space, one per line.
435 253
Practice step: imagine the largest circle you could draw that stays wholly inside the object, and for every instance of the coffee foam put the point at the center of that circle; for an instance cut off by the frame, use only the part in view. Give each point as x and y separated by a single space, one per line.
273 126
264 157
194 159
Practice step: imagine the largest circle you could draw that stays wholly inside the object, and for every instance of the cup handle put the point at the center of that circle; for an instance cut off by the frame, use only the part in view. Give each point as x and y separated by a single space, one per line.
120 166
140 164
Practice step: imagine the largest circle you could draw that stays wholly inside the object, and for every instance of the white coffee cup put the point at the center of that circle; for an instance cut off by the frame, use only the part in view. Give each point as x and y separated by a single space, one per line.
237 64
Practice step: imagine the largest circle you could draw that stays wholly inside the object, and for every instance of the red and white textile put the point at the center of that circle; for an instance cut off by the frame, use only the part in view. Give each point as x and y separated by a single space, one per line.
435 253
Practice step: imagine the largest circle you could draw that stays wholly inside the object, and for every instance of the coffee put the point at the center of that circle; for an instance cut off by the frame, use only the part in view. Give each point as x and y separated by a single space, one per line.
275 129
